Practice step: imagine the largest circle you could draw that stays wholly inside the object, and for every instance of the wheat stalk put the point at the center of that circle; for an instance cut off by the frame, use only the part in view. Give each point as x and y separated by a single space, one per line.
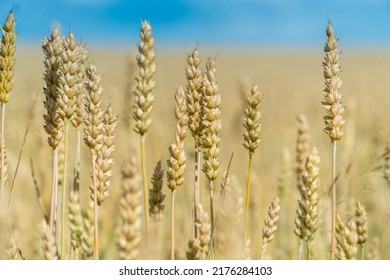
93 137
194 95
252 139
334 108
211 139
52 48
177 158
144 99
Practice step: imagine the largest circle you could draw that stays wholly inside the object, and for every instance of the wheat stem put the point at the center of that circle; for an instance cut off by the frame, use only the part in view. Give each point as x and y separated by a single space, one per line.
334 210
63 212
95 208
173 224
248 190
144 178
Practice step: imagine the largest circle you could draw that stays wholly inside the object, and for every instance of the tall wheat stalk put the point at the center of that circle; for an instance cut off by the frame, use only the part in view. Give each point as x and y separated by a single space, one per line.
334 108
52 49
252 139
177 158
144 100
194 96
211 139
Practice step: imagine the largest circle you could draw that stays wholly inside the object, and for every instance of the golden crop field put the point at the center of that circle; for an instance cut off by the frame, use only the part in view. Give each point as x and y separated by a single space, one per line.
110 171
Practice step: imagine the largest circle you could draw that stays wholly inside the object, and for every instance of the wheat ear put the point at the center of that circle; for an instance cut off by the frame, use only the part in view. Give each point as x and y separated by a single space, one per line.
361 225
270 224
306 224
129 232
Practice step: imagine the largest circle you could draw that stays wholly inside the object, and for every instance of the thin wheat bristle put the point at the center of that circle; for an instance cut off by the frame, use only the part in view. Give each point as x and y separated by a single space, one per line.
7 57
143 97
270 224
130 207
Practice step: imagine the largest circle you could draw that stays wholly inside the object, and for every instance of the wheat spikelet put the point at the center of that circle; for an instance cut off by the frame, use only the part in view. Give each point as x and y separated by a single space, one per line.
88 231
347 239
143 97
70 82
194 94
177 158
247 253
52 48
93 113
361 223
333 106
306 224
302 148
156 196
75 220
270 224
48 243
211 123
7 59
252 120
199 247
82 57
104 159
129 231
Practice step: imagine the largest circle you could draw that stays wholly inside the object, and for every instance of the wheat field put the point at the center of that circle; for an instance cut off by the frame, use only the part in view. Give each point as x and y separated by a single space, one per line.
291 84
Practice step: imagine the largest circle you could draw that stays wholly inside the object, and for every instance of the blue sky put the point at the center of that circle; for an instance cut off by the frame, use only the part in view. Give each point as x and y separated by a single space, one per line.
216 23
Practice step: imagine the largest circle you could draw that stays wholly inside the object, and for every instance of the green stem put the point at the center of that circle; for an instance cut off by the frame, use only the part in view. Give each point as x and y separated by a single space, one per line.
248 190
64 196
144 180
